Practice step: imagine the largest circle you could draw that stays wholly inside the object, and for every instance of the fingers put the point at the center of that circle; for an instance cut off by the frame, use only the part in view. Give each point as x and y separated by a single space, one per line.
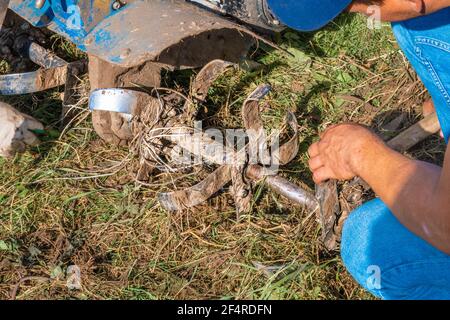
315 163
313 150
322 174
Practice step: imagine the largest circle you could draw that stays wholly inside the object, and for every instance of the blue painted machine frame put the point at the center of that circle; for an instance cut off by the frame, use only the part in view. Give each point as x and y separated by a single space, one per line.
122 34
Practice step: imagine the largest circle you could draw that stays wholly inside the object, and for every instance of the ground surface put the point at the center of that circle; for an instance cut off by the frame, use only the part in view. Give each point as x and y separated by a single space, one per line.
74 201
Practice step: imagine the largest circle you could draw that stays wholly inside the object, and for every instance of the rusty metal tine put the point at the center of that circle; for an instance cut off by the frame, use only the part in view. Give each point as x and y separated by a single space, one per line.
41 56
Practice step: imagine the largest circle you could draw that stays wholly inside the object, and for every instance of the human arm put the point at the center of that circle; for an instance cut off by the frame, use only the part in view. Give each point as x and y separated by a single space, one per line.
417 193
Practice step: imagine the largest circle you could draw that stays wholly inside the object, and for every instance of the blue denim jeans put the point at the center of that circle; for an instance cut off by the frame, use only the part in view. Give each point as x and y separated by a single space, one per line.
380 253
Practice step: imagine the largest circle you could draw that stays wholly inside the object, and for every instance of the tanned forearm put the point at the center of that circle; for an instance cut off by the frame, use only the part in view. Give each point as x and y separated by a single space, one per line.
417 193
395 10
442 4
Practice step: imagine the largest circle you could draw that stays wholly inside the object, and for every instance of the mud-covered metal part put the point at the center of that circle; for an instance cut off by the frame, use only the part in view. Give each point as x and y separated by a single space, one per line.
253 124
175 33
207 76
201 85
114 127
197 194
328 198
129 102
289 150
117 100
281 186
73 81
256 13
49 60
292 192
53 74
39 55
31 82
251 113
229 168
241 186
241 189
110 126
416 133
296 194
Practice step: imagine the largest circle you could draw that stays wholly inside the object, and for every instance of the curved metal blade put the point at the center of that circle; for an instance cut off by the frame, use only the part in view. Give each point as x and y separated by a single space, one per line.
197 194
206 77
251 115
289 150
30 82
327 195
117 100
202 83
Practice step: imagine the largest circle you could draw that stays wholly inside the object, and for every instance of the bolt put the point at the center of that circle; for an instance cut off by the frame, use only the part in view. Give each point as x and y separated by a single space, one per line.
39 4
116 5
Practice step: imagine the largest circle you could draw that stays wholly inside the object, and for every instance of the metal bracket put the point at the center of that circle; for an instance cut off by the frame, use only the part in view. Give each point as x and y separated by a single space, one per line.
52 74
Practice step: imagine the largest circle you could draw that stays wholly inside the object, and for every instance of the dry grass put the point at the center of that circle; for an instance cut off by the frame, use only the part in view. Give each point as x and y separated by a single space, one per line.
74 200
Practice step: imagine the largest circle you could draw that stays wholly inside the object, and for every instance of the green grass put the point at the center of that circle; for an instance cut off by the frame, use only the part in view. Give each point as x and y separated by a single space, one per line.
65 203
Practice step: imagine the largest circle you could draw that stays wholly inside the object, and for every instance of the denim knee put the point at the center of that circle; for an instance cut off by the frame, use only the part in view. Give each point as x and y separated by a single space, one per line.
356 244
388 260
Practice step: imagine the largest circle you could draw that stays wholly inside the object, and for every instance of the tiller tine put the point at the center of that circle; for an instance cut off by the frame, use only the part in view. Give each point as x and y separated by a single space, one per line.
233 165
54 72
329 211
127 102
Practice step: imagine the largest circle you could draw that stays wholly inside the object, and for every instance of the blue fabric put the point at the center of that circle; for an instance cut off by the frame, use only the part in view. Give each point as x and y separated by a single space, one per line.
380 253
426 43
307 15
390 261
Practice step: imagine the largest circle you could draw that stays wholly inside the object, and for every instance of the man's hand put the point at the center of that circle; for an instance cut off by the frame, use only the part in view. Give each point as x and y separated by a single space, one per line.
415 191
341 151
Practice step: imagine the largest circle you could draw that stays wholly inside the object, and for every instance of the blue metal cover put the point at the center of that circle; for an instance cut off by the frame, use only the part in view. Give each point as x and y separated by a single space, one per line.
127 36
